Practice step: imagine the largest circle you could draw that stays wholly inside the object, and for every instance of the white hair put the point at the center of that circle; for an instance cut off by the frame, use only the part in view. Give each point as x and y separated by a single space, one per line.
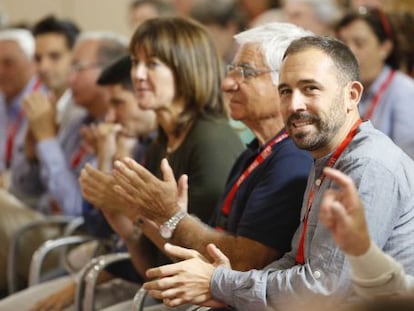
273 39
102 35
111 45
22 37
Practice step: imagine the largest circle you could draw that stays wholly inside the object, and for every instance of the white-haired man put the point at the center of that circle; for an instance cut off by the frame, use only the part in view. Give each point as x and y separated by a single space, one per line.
17 79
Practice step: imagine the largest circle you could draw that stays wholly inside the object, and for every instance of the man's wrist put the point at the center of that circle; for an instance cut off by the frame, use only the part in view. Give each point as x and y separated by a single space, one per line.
136 233
167 228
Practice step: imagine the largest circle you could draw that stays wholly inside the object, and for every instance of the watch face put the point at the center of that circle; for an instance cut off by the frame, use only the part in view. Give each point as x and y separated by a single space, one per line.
165 232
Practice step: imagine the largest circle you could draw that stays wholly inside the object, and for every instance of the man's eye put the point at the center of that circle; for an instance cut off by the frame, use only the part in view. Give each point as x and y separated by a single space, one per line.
249 72
55 56
284 92
310 88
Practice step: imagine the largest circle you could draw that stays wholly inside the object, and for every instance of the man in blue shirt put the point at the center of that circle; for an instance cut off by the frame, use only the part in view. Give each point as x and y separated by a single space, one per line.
16 81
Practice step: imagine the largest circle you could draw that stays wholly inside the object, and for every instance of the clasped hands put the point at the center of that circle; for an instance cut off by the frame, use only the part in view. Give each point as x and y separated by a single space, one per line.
187 281
41 114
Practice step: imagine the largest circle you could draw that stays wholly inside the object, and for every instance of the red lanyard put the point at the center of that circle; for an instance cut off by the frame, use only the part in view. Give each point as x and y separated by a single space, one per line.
11 134
14 128
300 256
78 156
267 150
375 101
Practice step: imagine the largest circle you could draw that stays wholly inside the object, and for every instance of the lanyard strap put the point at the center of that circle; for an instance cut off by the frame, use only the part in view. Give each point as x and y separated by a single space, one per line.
300 256
267 150
11 134
78 156
13 128
377 97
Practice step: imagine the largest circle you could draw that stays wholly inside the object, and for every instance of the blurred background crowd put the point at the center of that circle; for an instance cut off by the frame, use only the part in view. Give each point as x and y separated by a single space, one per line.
40 175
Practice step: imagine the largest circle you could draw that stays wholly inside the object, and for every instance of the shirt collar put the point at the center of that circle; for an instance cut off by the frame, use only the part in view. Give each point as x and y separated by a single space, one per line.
61 105
254 144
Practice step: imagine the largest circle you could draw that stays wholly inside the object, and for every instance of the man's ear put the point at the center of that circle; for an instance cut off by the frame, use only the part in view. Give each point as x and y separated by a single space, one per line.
354 91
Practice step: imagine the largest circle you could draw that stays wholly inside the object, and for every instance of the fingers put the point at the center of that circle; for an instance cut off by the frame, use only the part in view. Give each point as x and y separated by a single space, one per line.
105 129
185 299
123 194
95 185
340 215
217 255
139 170
35 103
164 274
167 172
127 177
95 174
325 213
182 199
93 177
174 291
181 252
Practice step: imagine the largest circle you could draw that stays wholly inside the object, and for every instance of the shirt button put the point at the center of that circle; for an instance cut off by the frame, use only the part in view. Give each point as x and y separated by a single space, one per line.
316 274
318 182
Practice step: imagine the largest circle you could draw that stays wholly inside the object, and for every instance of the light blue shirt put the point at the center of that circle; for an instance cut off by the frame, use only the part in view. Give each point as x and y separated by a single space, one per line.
384 177
394 113
9 113
58 171
26 182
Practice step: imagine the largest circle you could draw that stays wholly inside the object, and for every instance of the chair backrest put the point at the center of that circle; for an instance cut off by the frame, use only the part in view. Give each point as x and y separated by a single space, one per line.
87 279
50 227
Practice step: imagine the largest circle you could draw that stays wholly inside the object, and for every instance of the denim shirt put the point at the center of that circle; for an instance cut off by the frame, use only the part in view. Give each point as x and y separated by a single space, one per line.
9 113
385 182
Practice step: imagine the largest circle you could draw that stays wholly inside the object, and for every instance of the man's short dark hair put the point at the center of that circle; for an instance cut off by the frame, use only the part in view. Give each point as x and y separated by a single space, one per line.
118 72
341 55
50 24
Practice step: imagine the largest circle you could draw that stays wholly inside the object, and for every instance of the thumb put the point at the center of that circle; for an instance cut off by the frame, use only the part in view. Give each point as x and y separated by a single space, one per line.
183 192
51 96
180 252
217 255
167 172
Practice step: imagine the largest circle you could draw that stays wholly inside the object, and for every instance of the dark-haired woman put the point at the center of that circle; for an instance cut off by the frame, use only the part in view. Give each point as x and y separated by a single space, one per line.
388 96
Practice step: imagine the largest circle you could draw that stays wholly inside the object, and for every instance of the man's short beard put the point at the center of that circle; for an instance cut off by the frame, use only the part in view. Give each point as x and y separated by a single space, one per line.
309 144
325 130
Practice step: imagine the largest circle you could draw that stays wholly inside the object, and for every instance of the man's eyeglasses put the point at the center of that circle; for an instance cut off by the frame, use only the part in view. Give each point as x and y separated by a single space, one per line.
76 67
242 73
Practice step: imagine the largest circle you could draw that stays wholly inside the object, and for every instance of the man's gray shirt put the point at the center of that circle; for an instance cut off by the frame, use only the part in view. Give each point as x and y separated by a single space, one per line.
384 177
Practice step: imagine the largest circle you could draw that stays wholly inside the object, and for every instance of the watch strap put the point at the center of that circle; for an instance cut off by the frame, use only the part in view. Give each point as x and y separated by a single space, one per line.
170 225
